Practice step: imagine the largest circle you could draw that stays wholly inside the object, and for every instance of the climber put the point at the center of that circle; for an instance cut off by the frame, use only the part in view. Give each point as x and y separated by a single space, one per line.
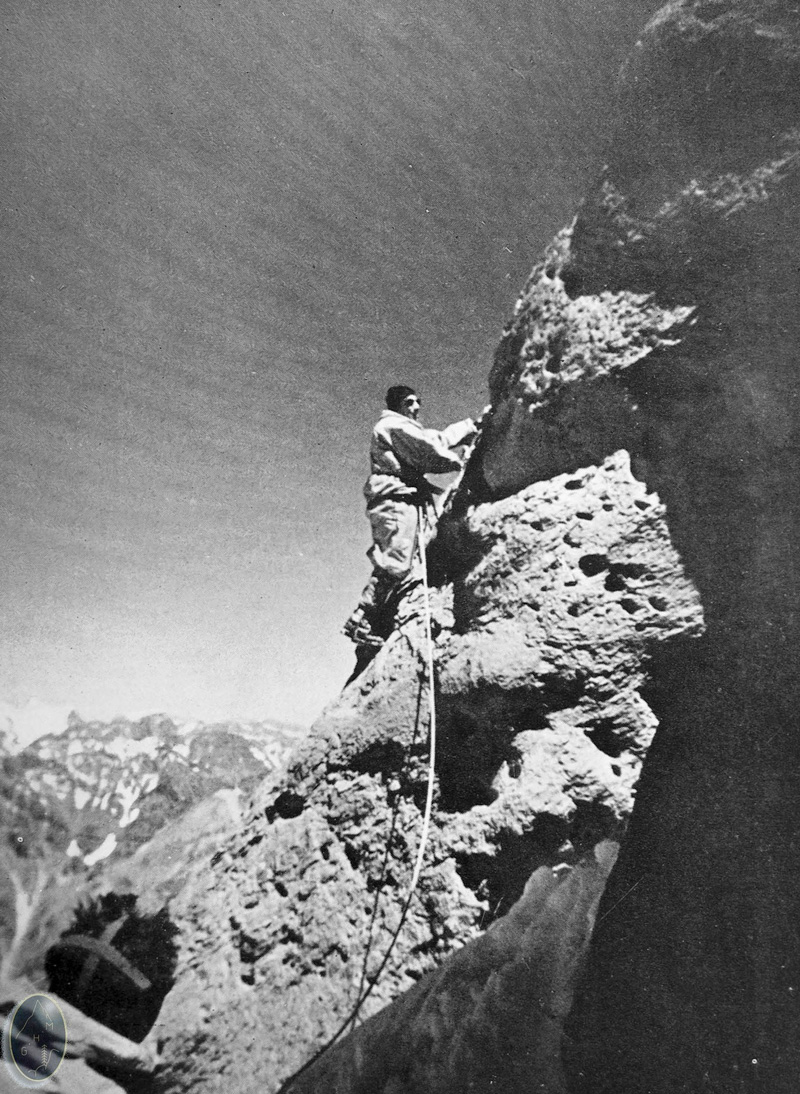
399 500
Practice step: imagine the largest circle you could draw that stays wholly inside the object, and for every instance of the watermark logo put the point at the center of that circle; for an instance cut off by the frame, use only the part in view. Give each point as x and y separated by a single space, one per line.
34 1040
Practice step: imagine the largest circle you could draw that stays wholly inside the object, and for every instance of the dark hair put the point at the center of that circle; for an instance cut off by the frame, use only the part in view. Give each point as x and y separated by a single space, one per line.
396 396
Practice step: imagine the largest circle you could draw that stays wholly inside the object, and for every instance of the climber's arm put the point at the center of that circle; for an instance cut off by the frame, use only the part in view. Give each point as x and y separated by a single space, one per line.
426 451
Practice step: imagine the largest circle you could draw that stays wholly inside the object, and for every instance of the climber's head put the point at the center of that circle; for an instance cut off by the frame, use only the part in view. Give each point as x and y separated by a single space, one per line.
403 400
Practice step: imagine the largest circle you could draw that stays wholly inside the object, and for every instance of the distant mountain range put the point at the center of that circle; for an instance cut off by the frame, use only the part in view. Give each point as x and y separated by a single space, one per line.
101 790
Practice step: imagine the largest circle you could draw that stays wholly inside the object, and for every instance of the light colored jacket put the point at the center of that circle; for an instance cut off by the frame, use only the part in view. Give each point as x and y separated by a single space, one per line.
399 497
402 452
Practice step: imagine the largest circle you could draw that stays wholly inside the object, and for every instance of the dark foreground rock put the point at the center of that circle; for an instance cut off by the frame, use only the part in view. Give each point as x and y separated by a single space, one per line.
491 1017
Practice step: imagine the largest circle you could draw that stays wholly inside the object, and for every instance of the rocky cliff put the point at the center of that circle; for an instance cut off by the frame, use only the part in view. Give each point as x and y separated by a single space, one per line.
617 563
553 598
664 322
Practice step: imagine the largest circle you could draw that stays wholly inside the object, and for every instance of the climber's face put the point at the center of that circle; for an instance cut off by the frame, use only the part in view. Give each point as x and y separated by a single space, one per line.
411 406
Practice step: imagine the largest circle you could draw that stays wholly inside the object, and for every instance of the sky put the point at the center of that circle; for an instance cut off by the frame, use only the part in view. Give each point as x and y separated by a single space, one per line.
226 230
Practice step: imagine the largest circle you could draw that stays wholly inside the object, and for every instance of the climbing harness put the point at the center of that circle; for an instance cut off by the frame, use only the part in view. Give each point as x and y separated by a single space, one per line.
363 994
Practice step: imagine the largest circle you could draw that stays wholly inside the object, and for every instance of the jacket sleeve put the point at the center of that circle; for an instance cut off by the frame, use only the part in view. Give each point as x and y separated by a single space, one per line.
426 451
459 432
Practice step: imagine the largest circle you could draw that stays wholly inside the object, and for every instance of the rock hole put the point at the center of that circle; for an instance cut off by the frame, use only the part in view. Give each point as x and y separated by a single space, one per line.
592 565
380 758
630 605
353 856
281 888
249 949
616 769
561 692
659 603
573 484
470 757
591 823
584 514
531 718
287 805
614 582
603 736
629 569
500 878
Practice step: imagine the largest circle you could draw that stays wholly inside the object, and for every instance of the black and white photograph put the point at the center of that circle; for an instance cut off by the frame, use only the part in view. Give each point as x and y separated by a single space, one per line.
399 629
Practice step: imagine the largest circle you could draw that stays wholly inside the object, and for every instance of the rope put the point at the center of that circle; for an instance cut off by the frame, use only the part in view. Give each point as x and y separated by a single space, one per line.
426 820
376 904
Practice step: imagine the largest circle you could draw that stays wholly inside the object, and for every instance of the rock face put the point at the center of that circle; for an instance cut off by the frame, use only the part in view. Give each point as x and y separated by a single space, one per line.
552 598
697 955
685 256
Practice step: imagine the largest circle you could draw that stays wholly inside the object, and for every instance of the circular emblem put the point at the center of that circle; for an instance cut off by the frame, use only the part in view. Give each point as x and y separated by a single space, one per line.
34 1040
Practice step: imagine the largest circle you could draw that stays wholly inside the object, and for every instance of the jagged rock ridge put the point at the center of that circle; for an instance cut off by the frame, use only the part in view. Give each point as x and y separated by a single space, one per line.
97 791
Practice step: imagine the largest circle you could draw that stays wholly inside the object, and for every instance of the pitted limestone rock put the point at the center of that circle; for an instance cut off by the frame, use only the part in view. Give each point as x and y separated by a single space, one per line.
556 595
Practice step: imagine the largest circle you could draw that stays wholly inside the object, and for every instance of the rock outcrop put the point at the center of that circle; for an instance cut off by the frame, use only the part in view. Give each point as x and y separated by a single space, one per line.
552 599
689 238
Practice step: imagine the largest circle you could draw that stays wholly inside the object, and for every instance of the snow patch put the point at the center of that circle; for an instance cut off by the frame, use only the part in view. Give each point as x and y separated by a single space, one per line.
232 799
81 797
149 782
125 749
106 848
258 754
74 851
126 797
